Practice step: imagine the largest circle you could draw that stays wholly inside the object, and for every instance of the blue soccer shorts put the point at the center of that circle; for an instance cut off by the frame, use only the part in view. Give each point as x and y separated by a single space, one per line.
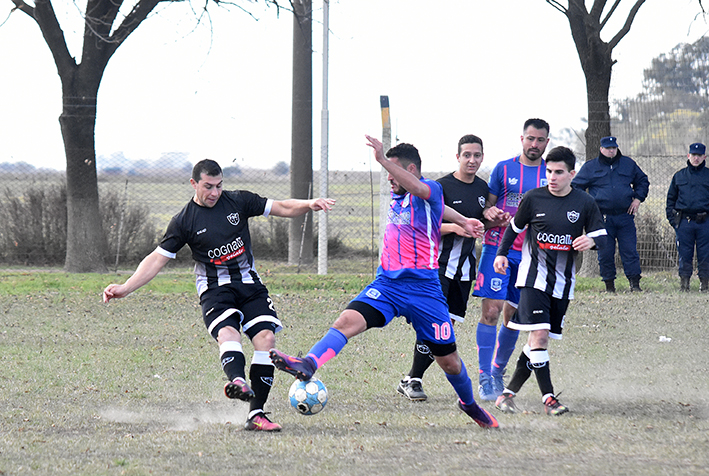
491 285
420 301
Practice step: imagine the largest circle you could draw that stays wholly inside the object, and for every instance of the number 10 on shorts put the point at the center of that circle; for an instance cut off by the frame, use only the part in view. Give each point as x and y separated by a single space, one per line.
442 331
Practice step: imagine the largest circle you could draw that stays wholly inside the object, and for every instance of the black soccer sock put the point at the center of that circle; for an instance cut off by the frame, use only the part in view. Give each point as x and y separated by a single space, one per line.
539 359
423 358
233 360
261 376
521 374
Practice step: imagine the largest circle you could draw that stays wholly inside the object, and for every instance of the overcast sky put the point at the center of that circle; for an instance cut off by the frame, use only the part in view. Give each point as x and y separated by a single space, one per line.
222 91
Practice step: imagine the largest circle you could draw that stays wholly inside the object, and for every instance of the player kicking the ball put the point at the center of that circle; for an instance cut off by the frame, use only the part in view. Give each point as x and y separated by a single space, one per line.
214 224
407 282
555 217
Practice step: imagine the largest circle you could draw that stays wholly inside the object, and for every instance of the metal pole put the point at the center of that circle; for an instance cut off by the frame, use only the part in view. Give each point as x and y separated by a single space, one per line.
384 188
324 133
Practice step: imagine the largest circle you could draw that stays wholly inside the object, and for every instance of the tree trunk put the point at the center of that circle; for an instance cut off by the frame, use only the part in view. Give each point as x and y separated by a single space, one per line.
86 243
598 82
300 242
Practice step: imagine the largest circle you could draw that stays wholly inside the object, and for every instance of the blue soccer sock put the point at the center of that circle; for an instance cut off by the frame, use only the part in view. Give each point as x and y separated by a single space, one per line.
506 341
462 384
328 347
485 337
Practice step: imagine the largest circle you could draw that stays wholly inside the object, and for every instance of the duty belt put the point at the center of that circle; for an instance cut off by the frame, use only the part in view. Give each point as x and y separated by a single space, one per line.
698 217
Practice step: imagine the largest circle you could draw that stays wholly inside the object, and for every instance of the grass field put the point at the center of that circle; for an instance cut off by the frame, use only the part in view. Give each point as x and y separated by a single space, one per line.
135 388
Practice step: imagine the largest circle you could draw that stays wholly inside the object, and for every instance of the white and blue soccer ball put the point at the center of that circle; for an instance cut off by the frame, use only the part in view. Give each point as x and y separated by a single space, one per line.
308 397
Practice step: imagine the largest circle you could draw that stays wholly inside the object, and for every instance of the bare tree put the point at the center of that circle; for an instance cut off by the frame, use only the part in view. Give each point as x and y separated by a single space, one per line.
596 59
105 29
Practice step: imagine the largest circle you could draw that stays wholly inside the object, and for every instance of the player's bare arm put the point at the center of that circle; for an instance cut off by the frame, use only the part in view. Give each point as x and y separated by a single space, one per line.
146 271
452 228
295 207
472 226
406 179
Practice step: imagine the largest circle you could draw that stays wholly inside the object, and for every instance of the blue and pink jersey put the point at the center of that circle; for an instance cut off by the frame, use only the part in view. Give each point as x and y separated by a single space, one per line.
413 234
509 181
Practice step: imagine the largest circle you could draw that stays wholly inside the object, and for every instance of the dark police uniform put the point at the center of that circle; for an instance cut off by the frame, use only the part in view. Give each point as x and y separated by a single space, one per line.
687 208
614 184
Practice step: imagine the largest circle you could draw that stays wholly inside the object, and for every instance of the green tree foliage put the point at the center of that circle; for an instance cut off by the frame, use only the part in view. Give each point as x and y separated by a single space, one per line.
672 110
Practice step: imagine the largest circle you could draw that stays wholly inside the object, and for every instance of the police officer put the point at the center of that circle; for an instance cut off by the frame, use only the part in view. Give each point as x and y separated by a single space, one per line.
618 185
687 207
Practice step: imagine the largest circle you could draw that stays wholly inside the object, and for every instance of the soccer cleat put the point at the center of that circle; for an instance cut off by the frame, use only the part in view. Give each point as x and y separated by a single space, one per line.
485 389
239 389
301 368
412 389
498 385
479 415
506 403
260 422
552 406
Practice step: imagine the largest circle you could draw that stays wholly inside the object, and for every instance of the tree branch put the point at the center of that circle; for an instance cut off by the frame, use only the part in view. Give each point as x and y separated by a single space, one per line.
628 22
557 5
610 13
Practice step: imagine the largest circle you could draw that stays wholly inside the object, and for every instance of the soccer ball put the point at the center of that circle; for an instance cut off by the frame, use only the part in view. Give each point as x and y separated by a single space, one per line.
308 397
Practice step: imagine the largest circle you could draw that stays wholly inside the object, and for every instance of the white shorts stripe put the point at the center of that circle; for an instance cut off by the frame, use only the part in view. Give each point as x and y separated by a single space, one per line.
265 318
223 316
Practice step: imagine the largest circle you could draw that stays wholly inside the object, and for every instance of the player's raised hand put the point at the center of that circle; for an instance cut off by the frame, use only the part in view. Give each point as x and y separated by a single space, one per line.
378 147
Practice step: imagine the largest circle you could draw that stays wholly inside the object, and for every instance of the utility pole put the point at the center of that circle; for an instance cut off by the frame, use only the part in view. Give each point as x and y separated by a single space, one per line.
324 135
300 236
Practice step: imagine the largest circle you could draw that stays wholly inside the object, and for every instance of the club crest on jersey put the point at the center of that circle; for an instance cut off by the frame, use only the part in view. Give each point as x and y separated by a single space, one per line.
373 293
512 180
573 216
481 201
233 218
496 284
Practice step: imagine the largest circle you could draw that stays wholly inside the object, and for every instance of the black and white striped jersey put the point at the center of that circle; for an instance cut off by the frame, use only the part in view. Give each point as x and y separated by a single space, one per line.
218 237
456 259
553 223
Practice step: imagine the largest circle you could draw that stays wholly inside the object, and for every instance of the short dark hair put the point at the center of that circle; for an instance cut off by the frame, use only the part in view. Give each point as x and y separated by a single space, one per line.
206 167
407 154
537 124
562 154
469 139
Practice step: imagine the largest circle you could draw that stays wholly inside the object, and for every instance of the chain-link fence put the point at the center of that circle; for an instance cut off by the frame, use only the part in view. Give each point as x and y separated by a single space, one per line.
139 198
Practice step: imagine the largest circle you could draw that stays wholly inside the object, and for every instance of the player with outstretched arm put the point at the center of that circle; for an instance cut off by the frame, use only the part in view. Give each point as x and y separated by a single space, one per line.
407 282
214 224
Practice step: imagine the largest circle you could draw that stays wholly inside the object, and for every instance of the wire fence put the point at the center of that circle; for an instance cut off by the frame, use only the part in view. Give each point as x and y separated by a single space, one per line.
139 198
138 204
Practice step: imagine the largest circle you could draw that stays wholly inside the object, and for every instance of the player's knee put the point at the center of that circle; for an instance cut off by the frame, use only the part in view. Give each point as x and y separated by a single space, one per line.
490 314
350 323
264 340
228 333
450 363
